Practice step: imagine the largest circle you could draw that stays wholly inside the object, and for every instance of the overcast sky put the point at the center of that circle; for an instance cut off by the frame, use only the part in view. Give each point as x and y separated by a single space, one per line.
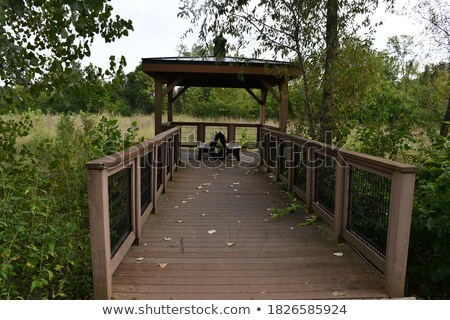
157 31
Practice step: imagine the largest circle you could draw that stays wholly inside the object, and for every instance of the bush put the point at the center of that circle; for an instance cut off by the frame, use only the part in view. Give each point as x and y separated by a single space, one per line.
429 254
44 225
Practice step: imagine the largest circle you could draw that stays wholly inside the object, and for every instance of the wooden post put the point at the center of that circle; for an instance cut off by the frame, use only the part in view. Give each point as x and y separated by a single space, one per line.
158 104
310 176
341 199
100 237
398 233
231 133
283 106
170 106
201 132
291 167
262 110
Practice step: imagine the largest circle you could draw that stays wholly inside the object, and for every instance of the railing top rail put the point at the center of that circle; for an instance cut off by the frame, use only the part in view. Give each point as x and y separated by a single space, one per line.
121 157
219 124
348 155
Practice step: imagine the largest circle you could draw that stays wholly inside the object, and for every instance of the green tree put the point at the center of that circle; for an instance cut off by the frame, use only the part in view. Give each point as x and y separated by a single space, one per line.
290 29
39 37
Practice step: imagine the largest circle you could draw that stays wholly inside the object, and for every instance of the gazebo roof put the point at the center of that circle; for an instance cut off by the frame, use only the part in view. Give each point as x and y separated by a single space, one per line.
226 73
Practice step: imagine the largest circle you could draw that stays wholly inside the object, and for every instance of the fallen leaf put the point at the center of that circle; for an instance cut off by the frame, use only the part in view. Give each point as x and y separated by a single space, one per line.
212 231
338 254
235 182
199 187
292 228
145 244
269 209
339 293
176 207
266 193
140 259
231 186
202 214
183 201
239 221
179 221
162 265
167 239
206 184
206 191
235 190
238 196
229 244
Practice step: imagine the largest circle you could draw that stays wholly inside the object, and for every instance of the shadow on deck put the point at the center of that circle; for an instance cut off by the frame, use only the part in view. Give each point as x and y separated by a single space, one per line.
181 257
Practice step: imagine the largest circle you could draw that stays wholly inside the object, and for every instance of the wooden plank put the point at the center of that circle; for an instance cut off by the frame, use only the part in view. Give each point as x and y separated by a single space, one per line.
269 259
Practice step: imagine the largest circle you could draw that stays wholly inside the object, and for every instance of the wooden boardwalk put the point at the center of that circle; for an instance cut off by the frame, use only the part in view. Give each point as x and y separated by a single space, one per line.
184 252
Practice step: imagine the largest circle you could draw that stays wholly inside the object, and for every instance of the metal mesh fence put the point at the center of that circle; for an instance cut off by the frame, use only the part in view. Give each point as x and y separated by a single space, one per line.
369 208
146 180
300 162
119 191
325 184
159 171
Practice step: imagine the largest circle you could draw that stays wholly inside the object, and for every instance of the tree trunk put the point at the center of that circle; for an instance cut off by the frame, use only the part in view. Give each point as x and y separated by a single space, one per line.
446 121
329 95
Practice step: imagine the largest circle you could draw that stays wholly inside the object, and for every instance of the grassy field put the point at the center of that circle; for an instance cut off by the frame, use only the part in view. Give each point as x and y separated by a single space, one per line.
45 125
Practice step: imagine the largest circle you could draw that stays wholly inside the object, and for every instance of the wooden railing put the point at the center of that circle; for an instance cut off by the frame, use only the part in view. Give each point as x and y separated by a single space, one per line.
202 131
366 200
123 190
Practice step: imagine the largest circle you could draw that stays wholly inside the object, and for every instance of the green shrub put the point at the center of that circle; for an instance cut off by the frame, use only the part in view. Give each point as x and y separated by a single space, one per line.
429 254
44 226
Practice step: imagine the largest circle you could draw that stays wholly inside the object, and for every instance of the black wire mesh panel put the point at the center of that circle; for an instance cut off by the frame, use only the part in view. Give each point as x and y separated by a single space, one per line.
273 152
176 145
119 191
159 171
369 208
169 155
300 163
266 147
146 181
283 158
325 185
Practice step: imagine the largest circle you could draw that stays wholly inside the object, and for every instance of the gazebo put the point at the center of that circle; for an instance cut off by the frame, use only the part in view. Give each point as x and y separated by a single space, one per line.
248 74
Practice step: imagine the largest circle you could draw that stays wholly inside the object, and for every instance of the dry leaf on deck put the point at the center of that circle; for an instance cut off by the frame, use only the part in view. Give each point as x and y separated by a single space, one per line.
206 191
229 244
183 201
266 193
339 293
167 239
206 184
235 190
199 187
338 254
235 182
140 259
231 186
203 214
162 265
212 231
179 221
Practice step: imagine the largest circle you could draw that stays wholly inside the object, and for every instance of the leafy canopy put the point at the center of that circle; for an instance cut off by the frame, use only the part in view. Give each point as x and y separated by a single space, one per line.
40 36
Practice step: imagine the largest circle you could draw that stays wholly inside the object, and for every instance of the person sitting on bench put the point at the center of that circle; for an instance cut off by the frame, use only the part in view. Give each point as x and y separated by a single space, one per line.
226 149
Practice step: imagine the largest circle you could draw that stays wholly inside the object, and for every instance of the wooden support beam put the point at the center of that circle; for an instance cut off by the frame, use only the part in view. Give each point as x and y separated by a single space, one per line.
170 107
179 93
158 104
171 86
254 96
272 90
262 110
283 106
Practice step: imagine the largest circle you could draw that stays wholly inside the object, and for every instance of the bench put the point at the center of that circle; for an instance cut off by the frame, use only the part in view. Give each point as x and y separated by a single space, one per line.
210 147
